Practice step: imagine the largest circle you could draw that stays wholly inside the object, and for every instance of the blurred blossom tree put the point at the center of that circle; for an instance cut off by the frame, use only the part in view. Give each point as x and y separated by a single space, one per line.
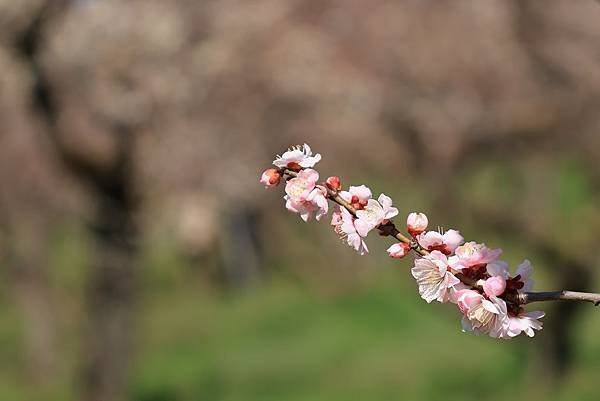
131 116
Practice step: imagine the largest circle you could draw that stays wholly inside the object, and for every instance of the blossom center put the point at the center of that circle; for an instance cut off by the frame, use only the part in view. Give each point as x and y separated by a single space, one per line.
371 215
297 187
480 314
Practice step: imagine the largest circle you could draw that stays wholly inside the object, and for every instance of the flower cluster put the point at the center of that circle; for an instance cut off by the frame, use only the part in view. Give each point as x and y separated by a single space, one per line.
446 269
305 196
484 303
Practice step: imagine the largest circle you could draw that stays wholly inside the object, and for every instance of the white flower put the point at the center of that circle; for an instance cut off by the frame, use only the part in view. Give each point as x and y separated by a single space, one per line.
433 277
374 213
436 241
317 198
525 270
297 156
498 268
524 322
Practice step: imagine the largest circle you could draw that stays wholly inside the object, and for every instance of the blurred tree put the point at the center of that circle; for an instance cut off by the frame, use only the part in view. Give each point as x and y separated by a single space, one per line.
108 179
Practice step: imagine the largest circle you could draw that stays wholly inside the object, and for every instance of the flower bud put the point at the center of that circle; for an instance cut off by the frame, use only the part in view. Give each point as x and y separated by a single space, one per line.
494 286
398 250
416 223
333 183
270 177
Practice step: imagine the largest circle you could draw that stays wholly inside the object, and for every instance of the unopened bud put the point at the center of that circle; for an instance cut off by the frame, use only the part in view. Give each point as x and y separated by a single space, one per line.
333 183
416 223
398 250
270 178
494 286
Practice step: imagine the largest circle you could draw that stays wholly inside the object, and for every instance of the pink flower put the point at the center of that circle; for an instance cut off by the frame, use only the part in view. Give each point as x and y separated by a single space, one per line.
472 254
445 243
482 315
343 223
336 216
524 322
398 250
358 197
416 223
298 188
315 205
494 286
374 213
304 198
270 178
433 277
466 299
456 291
297 157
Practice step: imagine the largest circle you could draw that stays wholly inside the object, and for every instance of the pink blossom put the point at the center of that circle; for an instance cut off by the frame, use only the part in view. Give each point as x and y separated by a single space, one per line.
433 277
304 198
374 213
362 192
398 250
524 322
358 196
472 254
270 177
466 299
343 223
315 205
483 315
336 216
297 157
456 291
494 286
298 188
445 243
416 223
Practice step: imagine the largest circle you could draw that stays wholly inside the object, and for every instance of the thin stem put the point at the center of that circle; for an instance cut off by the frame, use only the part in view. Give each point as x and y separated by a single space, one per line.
389 229
529 297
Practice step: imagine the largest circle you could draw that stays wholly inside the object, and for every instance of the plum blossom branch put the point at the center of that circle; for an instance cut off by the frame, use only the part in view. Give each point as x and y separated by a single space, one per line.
446 269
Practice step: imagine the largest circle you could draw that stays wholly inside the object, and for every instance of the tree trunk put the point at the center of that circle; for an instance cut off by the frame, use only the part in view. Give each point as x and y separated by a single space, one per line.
111 294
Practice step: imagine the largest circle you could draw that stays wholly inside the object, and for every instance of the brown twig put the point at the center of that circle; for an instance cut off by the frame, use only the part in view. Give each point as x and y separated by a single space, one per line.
564 295
389 229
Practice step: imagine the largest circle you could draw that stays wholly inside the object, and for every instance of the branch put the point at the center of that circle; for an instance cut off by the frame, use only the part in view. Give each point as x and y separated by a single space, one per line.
389 229
564 295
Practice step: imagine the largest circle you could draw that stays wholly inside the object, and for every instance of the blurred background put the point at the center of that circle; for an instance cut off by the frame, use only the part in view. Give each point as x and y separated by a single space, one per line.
141 260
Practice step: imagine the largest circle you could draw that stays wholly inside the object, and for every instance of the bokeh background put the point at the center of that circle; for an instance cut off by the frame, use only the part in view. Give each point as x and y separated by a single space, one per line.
141 260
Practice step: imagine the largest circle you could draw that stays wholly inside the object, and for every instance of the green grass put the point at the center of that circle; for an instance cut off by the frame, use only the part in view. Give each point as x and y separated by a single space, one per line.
279 340
281 343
